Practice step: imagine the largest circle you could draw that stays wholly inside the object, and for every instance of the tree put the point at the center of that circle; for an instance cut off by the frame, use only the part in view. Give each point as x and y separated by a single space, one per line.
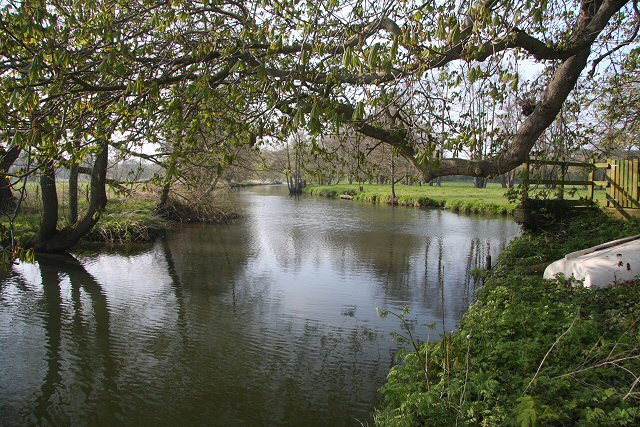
257 70
560 36
295 155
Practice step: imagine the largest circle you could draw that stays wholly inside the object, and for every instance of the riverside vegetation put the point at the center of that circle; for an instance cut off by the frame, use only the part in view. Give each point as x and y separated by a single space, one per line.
454 196
530 352
458 197
130 216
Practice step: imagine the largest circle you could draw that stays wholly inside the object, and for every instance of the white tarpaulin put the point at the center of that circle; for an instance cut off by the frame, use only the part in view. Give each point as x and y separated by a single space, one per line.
610 263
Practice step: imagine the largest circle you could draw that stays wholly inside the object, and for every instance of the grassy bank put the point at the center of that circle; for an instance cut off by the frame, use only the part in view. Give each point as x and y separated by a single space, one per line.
458 197
530 351
454 196
129 217
130 220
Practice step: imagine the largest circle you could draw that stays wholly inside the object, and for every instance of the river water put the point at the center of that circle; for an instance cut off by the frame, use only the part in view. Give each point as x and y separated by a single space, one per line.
270 320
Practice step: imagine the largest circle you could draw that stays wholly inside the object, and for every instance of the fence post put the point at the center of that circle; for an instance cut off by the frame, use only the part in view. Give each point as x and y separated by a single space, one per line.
592 177
634 184
562 172
525 182
611 172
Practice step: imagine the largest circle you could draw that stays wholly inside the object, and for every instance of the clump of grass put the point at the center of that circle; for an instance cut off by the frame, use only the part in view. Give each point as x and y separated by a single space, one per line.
189 205
179 210
127 227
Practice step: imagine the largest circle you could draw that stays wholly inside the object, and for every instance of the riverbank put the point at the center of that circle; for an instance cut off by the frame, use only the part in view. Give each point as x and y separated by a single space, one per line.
125 220
253 183
457 197
530 351
129 217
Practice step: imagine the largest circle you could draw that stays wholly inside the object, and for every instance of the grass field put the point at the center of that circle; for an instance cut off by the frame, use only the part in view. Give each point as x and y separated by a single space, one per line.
455 196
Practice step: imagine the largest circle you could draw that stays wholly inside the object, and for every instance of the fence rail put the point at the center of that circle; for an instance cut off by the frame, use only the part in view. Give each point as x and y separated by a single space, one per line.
622 180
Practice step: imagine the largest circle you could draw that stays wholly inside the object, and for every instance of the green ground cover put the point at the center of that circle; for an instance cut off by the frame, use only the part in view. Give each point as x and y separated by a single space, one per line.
455 196
530 352
462 197
128 217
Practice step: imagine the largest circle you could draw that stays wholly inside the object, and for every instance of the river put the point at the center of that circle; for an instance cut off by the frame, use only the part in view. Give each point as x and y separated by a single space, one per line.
269 320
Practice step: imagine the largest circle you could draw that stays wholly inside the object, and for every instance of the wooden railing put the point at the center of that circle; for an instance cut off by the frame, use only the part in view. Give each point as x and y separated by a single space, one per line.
622 184
621 181
561 182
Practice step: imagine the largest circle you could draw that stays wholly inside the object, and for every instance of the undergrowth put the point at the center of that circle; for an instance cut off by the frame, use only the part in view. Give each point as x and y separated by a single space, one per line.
530 352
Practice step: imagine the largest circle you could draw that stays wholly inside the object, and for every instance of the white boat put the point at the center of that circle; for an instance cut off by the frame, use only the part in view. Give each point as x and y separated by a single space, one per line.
611 263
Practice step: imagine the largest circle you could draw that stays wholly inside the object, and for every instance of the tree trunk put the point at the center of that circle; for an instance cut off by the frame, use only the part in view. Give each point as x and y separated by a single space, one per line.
8 158
393 180
49 221
166 188
50 240
73 193
479 182
164 196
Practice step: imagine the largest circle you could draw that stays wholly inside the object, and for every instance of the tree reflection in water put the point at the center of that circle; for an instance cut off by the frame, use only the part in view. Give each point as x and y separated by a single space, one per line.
270 320
94 369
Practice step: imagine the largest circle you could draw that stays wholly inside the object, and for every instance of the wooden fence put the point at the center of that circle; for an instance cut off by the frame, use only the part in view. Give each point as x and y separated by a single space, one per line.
622 184
621 181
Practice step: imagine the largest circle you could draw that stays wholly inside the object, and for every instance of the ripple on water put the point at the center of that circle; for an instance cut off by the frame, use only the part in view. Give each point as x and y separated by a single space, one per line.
270 320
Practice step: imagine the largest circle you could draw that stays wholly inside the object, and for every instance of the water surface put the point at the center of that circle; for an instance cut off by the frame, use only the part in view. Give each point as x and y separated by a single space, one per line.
270 320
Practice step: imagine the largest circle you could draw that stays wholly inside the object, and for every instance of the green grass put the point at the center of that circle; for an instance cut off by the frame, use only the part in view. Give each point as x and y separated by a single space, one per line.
530 351
459 197
455 196
126 219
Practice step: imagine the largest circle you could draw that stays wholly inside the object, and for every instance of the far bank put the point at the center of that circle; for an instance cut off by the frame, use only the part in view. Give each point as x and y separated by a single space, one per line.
457 197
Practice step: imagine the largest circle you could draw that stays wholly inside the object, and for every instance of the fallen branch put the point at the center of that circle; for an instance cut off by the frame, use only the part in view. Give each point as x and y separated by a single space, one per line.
544 359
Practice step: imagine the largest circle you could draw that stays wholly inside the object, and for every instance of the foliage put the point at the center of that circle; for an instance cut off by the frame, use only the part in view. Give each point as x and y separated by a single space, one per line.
228 74
530 351
201 83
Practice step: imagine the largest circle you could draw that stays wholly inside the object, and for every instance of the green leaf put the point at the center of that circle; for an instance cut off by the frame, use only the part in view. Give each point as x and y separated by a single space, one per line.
36 66
298 118
155 90
347 57
261 73
358 112
394 50
373 58
17 138
454 35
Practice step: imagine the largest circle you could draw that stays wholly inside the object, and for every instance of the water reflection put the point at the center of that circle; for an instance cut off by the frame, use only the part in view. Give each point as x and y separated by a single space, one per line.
78 367
267 321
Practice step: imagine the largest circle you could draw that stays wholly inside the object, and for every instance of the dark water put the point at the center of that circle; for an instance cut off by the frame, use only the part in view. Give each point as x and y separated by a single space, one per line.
267 321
